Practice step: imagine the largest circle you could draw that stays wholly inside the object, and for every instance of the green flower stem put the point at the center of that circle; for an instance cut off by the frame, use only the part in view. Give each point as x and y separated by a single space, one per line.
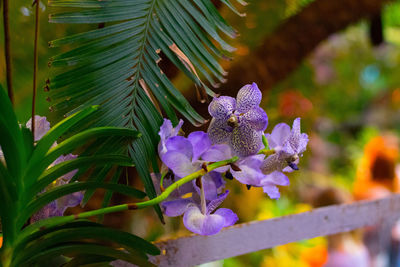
265 141
162 182
266 152
132 206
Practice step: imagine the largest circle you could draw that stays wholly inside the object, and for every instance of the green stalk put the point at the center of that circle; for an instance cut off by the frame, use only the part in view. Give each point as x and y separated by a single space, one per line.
131 206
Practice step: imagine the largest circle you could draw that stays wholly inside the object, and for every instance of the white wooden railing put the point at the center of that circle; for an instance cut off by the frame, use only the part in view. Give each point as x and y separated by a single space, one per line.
250 237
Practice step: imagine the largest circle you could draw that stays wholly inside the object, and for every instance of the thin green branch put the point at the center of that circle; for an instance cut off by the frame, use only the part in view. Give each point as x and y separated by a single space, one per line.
7 50
132 206
35 65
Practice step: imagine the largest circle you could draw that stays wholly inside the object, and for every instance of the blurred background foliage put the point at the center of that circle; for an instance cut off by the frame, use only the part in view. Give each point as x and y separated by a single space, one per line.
347 92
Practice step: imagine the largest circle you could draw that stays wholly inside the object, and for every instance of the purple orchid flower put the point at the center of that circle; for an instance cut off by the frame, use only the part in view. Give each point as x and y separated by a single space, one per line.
289 146
238 122
182 154
250 172
58 206
42 126
198 216
167 131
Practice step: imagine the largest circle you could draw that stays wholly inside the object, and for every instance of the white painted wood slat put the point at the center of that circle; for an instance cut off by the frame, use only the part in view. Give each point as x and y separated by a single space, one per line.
250 237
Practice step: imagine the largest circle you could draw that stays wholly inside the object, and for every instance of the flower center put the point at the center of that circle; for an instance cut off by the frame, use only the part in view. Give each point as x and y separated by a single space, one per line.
291 160
233 121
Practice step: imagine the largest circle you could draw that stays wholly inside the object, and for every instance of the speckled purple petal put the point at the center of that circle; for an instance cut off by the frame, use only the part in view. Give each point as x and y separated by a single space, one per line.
249 96
229 216
295 135
256 118
181 144
302 143
42 126
213 204
179 163
279 135
50 210
272 163
200 142
176 207
219 132
222 107
201 224
245 141
272 191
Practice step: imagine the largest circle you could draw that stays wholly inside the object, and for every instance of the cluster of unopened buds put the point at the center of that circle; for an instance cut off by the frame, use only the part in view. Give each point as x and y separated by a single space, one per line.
236 132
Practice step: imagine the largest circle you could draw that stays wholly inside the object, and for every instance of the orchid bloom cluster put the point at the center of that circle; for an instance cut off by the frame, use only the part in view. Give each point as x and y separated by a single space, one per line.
57 207
236 129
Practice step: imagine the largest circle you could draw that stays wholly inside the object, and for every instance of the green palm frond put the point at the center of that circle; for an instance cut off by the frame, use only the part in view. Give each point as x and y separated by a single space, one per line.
27 170
117 66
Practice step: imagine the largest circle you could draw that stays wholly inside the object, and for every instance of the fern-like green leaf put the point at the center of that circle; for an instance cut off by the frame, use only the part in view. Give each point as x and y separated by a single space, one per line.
117 66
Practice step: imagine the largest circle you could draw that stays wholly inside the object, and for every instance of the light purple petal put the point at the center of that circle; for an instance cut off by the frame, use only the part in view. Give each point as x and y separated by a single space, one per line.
200 142
219 131
70 200
272 191
167 131
277 178
256 118
249 96
179 163
42 126
245 141
218 180
218 153
202 224
176 207
62 158
210 187
222 107
181 144
279 135
229 216
250 173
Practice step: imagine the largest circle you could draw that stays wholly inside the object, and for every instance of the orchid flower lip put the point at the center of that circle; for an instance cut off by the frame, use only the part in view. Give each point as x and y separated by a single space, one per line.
293 166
